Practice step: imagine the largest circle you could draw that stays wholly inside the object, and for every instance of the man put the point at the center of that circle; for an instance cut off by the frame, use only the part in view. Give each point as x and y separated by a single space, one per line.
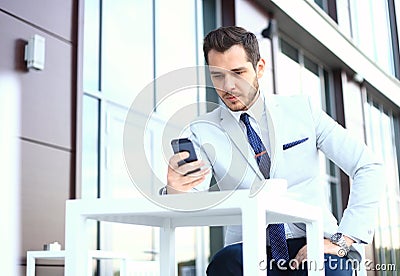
283 135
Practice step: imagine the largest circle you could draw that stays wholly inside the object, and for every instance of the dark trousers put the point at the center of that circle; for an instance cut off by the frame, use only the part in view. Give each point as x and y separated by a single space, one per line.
228 261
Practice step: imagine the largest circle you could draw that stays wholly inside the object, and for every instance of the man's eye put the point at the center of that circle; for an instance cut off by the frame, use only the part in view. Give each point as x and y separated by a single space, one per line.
239 72
217 76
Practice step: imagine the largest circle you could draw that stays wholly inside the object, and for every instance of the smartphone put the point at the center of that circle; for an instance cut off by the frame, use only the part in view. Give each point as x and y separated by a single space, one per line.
184 144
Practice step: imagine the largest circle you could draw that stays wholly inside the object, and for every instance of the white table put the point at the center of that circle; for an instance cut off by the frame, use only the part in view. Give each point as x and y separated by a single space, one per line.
253 213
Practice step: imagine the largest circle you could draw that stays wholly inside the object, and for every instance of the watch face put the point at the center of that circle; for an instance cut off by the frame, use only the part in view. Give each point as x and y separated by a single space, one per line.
336 237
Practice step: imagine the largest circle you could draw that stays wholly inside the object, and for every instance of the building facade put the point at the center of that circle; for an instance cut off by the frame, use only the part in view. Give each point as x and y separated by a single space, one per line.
101 54
344 54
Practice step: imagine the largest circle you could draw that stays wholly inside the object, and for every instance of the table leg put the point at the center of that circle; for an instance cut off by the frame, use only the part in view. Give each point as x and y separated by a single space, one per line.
167 249
254 238
89 264
76 249
315 249
123 271
30 265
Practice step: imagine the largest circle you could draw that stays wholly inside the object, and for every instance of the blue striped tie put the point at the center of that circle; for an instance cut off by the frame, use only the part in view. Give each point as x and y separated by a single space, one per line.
277 236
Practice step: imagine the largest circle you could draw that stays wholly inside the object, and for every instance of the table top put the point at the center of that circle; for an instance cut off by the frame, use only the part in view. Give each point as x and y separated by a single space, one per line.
210 208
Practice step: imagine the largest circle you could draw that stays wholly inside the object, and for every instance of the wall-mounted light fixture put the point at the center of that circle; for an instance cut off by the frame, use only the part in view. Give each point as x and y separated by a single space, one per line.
35 52
358 78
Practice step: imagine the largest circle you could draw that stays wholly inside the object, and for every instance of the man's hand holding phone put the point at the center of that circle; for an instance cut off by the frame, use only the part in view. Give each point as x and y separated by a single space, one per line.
185 171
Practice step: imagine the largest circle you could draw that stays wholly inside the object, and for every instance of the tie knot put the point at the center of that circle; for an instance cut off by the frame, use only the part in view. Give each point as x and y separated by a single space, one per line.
245 118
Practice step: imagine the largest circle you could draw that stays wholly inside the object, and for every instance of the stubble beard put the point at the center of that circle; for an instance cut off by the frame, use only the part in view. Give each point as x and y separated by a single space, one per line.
241 105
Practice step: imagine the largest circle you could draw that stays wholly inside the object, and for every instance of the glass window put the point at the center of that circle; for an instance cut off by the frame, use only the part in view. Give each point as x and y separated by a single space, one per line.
136 46
343 15
90 158
127 49
288 65
353 108
116 237
289 50
311 82
322 4
176 36
397 11
91 51
371 31
177 47
382 138
127 67
90 147
383 37
363 26
304 74
116 182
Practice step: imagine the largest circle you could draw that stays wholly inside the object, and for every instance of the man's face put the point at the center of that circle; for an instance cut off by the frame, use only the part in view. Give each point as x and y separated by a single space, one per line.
234 77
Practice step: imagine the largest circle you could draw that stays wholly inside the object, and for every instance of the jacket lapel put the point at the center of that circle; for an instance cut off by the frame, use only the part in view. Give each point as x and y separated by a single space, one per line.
239 140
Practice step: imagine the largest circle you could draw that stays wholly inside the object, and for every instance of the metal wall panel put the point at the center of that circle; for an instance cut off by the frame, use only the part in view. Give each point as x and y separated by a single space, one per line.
47 107
48 118
45 188
55 16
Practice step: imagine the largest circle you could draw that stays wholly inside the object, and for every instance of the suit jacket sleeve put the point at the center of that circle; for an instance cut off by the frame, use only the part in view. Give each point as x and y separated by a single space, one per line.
365 170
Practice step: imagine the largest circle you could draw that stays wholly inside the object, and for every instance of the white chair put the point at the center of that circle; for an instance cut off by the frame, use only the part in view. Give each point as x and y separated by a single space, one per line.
128 267
32 256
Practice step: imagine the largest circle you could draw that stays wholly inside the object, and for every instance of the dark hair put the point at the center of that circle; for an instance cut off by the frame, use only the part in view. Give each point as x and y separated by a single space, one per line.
224 38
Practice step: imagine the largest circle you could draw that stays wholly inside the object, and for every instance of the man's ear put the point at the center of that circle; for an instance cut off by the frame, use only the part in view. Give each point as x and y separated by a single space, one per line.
260 68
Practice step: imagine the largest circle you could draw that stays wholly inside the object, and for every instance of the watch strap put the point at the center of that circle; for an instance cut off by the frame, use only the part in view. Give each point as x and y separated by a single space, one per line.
339 240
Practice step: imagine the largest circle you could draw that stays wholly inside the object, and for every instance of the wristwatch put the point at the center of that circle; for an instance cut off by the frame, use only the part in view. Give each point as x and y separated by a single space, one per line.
339 240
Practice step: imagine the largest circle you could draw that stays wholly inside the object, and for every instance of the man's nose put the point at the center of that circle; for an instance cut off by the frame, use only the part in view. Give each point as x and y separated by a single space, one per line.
229 83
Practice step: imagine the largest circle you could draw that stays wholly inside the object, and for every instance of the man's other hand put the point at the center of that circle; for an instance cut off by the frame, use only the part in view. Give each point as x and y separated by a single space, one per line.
329 248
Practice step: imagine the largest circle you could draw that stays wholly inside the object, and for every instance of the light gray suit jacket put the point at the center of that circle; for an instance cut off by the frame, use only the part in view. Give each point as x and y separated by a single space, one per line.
297 130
